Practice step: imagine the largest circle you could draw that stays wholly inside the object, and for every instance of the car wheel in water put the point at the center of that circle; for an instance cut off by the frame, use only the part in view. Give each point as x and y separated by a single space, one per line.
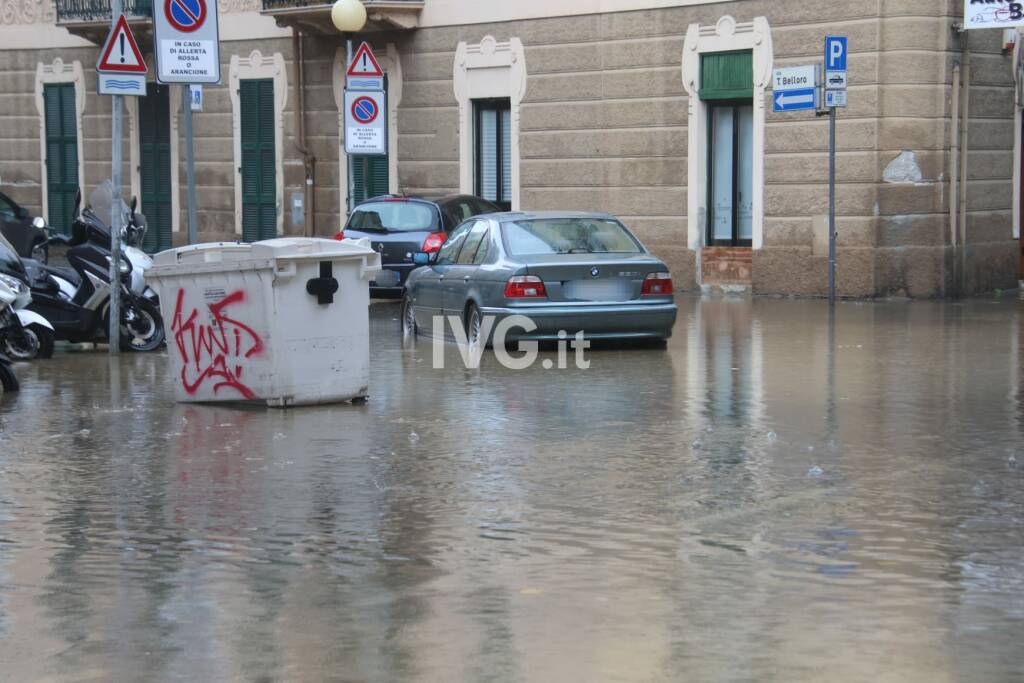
408 318
474 325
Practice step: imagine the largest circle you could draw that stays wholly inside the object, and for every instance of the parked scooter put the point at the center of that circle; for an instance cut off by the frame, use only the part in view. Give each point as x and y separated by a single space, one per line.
77 300
30 335
8 380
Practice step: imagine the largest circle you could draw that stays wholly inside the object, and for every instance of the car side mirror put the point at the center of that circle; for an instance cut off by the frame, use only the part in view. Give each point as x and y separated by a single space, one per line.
38 223
421 258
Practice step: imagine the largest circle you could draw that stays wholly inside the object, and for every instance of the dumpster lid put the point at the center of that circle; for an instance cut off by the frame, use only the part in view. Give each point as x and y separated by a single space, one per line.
310 248
283 247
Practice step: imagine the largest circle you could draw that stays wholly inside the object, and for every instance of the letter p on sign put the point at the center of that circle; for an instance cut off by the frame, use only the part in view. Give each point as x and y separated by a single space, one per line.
835 53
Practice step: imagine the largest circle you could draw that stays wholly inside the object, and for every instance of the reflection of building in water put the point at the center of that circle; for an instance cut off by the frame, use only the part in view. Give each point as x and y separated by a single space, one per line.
725 365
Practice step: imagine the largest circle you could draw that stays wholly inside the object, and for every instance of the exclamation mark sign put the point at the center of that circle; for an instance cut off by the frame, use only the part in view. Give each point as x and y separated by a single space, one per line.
121 37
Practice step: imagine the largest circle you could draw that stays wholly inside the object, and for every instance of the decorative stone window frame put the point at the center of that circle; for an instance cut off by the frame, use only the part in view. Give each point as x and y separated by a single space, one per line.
488 70
725 35
391 64
135 149
256 66
59 71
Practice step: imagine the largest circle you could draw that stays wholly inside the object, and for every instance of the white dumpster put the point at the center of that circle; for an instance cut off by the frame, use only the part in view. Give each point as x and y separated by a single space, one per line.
285 321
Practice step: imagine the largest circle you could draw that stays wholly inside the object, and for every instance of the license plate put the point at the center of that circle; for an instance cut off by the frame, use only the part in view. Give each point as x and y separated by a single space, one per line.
598 290
387 278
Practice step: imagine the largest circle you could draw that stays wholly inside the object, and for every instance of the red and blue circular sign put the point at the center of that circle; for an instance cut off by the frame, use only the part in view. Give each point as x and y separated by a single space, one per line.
365 110
185 15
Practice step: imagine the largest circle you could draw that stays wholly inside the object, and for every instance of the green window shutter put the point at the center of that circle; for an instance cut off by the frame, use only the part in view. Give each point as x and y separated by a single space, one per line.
727 75
155 163
259 180
369 177
61 153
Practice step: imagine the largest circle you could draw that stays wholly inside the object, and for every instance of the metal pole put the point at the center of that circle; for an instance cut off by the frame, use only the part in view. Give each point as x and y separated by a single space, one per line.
114 331
965 114
832 205
348 157
190 163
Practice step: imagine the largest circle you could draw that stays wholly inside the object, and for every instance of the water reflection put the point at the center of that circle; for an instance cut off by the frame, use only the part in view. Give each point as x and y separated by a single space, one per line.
771 497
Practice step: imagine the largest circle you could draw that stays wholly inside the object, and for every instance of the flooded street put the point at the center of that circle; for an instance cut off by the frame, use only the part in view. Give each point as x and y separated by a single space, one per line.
764 499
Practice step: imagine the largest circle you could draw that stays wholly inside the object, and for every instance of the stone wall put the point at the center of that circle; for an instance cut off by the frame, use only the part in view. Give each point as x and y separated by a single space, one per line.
603 127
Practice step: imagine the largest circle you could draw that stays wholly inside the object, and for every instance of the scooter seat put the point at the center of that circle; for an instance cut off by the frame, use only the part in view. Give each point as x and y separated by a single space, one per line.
64 273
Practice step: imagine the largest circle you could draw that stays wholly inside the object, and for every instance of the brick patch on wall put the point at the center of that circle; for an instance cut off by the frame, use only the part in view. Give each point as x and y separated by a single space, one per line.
726 265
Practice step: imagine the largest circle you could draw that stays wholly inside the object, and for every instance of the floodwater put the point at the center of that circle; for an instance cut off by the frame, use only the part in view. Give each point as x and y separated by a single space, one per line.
770 498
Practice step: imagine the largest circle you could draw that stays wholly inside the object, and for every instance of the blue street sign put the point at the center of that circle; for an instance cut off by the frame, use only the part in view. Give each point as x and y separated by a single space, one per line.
794 100
835 53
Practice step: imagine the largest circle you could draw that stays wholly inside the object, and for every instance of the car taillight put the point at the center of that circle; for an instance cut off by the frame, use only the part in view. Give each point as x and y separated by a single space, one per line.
340 236
658 284
434 242
525 287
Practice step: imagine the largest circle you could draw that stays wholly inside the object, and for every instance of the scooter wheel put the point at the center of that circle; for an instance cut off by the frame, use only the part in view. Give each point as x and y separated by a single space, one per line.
145 332
35 341
8 380
46 340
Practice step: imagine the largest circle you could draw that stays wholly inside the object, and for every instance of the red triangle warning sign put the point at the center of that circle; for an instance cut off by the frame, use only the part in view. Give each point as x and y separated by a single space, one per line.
121 54
364 63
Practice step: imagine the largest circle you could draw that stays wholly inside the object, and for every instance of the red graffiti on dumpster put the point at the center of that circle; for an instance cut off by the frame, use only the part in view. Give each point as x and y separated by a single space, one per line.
210 351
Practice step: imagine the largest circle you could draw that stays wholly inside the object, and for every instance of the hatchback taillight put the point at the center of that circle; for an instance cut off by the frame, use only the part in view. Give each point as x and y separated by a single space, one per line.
525 287
340 236
434 242
658 284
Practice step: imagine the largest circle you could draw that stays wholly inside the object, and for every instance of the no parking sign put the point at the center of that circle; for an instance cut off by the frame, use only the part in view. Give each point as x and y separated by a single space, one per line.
186 41
366 130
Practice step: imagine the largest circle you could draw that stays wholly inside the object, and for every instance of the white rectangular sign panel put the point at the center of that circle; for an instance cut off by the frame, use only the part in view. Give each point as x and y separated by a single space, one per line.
366 122
835 98
186 41
122 84
794 78
835 80
993 13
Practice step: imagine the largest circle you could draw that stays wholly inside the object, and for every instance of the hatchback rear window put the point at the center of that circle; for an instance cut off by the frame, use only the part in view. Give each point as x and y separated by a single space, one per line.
567 236
393 217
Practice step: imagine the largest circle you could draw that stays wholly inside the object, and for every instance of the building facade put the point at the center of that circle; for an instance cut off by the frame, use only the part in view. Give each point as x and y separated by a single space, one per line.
658 112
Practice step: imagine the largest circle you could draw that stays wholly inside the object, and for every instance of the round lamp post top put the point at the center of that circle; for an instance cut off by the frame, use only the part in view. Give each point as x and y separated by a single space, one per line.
348 16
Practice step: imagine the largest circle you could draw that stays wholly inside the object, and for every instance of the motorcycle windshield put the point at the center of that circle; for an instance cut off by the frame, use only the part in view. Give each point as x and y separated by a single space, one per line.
101 202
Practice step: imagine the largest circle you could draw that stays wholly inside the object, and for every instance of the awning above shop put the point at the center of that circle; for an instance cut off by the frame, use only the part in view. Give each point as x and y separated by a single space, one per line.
315 17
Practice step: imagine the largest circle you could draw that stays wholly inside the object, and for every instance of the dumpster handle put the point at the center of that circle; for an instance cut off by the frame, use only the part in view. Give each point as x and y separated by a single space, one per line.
285 270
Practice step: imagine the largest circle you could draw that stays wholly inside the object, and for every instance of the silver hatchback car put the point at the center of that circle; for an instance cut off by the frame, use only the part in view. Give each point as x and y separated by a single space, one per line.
566 271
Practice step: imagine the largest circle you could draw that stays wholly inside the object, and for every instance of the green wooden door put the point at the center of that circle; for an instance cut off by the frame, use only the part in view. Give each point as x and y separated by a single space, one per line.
259 183
61 154
155 161
369 177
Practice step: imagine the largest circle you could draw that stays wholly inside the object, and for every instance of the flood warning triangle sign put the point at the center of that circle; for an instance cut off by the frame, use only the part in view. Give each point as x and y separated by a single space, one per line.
364 63
121 54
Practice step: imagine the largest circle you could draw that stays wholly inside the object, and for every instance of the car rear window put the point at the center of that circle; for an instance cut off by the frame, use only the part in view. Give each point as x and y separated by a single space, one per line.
393 217
567 236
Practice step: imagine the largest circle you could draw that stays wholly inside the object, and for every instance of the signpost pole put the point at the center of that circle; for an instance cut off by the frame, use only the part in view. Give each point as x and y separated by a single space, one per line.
348 157
190 165
114 332
832 205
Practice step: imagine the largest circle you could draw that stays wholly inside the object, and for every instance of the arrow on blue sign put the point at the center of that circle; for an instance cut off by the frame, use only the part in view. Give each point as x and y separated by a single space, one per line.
794 100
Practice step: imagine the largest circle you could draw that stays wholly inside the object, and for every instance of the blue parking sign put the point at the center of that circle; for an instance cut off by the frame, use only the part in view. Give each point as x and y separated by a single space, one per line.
835 53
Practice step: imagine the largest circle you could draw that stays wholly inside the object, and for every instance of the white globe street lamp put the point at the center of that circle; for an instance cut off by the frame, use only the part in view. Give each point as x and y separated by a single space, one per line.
348 16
